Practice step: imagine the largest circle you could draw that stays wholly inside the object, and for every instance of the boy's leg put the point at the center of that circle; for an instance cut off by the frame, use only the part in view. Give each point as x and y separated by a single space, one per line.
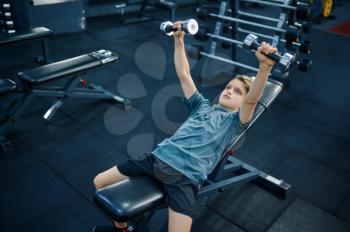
179 222
108 177
181 192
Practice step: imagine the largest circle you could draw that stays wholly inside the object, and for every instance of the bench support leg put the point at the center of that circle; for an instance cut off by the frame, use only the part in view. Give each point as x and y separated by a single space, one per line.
277 186
44 59
16 112
52 110
112 96
5 144
243 173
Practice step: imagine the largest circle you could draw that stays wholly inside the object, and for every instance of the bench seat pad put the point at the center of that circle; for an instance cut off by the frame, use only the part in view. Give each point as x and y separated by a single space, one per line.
25 35
7 85
67 67
130 198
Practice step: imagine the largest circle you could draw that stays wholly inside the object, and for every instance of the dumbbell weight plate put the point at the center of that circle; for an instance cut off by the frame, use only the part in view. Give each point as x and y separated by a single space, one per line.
226 28
280 76
202 13
292 34
327 8
317 6
304 65
202 34
307 26
303 11
193 51
226 45
305 47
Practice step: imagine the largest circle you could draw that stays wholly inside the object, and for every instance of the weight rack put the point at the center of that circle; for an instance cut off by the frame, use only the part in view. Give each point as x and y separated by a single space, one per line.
230 11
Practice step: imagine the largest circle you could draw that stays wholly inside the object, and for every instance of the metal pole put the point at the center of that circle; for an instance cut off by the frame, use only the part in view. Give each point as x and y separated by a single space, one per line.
282 1
271 4
247 22
263 35
234 10
218 25
45 49
255 33
229 61
257 16
225 39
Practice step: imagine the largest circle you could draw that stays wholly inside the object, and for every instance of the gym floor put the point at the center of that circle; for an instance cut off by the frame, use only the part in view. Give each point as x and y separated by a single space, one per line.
304 138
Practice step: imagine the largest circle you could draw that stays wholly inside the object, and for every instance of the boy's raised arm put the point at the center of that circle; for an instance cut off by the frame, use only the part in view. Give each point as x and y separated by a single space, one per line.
256 90
181 63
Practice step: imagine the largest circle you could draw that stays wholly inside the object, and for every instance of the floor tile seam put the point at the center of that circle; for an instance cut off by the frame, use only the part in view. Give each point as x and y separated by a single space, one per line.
319 129
224 217
62 178
280 214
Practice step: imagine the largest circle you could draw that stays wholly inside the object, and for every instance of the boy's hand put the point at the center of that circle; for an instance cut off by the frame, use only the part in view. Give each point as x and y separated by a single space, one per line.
179 34
265 48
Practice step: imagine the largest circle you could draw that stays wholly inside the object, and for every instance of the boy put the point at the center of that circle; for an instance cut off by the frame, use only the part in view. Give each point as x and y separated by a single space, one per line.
183 161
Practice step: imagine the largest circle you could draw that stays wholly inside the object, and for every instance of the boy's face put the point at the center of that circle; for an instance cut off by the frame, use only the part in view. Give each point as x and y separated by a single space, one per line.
233 95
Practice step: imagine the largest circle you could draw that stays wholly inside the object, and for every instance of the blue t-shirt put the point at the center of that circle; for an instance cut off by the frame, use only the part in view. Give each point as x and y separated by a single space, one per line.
196 147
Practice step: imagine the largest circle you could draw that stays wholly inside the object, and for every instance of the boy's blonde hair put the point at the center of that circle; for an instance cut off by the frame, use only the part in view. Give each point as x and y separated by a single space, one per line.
246 80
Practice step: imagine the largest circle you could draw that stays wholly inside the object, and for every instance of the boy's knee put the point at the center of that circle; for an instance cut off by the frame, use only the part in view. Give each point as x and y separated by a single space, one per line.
98 181
108 177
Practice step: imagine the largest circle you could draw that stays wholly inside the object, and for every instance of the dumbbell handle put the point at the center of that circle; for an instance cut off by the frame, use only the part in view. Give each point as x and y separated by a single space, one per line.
251 43
189 26
284 61
273 56
168 28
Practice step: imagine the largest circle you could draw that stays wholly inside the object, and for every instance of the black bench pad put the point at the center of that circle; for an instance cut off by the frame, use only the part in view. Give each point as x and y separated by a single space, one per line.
130 198
166 5
271 91
25 35
7 85
67 67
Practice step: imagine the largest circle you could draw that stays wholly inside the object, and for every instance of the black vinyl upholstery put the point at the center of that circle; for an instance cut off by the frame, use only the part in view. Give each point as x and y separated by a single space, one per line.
272 89
6 86
166 4
25 35
127 199
64 68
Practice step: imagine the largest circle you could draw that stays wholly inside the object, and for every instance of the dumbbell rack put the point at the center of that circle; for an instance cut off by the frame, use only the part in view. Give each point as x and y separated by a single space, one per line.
292 17
282 21
6 18
298 19
232 7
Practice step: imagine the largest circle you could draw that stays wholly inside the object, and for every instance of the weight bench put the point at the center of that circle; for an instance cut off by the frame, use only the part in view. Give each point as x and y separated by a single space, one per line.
68 70
132 198
38 33
143 16
162 4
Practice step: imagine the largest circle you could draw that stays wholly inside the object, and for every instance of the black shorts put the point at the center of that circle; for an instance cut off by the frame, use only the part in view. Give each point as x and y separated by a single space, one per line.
180 190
